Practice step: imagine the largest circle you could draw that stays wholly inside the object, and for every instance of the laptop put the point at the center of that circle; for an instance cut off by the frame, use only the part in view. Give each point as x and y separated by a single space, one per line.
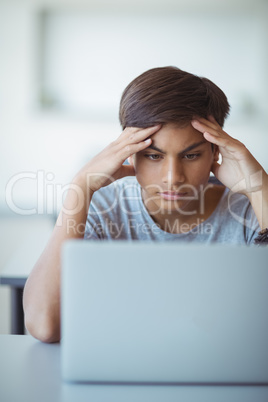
135 312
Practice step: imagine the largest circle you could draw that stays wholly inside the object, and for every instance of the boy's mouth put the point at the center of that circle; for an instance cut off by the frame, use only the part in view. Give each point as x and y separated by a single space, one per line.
172 195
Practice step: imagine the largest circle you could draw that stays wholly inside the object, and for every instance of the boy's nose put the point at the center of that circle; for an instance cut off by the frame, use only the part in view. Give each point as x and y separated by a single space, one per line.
173 173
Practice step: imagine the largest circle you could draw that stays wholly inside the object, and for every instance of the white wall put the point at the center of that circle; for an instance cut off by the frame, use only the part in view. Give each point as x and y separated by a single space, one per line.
93 53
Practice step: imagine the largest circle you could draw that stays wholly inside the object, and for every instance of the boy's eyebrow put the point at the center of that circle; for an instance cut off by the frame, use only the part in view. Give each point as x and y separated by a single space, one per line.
155 148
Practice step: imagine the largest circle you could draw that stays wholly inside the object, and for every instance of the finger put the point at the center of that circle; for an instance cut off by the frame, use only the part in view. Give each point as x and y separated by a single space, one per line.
130 149
213 120
134 134
209 128
209 122
223 142
133 141
201 124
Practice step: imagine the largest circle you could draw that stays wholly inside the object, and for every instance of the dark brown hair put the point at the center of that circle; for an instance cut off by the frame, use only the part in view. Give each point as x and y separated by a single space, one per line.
170 95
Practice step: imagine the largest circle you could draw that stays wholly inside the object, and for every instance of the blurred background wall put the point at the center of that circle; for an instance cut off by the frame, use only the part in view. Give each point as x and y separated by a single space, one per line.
64 65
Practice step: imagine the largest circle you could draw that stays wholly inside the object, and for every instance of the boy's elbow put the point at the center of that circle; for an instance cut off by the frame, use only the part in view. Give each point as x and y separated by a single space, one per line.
45 329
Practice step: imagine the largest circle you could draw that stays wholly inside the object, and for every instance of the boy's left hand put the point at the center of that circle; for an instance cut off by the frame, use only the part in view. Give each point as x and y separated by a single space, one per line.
239 170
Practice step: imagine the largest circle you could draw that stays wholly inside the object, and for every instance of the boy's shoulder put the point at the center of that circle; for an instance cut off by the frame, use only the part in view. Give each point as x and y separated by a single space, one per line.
118 191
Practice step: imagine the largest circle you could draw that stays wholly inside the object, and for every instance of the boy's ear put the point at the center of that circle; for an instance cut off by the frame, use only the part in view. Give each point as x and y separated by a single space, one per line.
216 153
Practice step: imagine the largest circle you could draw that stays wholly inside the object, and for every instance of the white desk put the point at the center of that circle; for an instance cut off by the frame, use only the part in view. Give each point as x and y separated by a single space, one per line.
30 372
16 272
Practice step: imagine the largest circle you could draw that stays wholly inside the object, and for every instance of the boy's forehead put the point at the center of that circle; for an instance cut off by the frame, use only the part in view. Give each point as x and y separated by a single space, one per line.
170 136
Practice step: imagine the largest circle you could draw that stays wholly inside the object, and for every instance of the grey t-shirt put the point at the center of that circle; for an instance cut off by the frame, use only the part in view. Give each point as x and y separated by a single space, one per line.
117 212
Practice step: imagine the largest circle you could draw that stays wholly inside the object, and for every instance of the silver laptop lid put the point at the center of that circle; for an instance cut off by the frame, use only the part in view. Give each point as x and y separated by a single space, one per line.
158 312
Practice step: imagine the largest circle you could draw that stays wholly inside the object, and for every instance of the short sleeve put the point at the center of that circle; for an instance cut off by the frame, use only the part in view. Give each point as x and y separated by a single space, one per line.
93 229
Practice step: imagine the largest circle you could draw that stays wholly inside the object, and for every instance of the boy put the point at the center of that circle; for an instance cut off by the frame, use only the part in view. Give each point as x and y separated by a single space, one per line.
172 137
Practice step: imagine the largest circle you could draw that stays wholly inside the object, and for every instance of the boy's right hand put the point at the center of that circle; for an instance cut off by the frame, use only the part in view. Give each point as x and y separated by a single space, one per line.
107 166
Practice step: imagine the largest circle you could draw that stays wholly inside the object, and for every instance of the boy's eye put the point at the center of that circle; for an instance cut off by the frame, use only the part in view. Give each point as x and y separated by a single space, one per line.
152 157
191 157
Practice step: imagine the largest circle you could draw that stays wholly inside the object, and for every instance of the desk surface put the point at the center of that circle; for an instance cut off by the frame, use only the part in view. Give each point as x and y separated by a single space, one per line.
30 372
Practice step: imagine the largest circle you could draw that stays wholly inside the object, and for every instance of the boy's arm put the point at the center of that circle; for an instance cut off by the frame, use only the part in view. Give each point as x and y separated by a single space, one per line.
259 202
239 170
41 298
